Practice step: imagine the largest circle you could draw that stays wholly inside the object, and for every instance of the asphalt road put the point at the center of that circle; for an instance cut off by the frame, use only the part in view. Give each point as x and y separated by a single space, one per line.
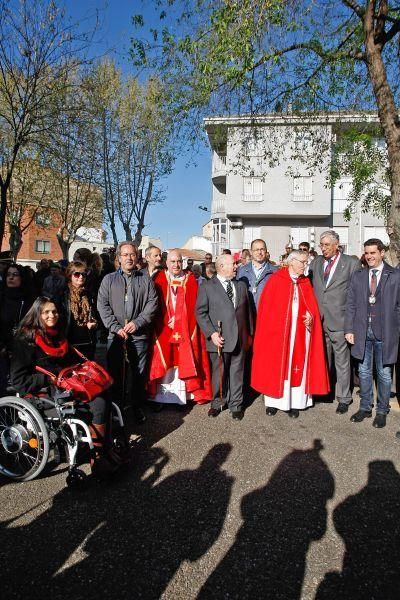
269 508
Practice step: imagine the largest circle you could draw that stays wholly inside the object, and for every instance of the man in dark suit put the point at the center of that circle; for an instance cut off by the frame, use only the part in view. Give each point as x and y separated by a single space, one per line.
226 300
331 274
256 273
372 325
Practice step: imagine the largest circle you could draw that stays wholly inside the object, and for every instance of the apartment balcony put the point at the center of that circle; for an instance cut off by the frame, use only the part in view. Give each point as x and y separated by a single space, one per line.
218 205
219 168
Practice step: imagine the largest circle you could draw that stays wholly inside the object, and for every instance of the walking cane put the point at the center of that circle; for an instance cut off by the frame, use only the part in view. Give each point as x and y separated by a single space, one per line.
124 363
220 365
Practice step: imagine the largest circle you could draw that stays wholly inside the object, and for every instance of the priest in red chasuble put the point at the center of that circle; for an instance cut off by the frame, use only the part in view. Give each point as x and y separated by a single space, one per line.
289 364
179 368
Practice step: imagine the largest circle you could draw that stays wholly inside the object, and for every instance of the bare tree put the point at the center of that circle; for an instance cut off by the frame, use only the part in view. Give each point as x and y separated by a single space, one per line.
38 48
28 197
134 141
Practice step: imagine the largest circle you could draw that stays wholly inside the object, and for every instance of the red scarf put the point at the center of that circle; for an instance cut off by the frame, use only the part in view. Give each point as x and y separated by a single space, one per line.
50 345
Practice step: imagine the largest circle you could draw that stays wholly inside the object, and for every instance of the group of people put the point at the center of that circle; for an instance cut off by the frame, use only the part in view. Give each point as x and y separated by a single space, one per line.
213 332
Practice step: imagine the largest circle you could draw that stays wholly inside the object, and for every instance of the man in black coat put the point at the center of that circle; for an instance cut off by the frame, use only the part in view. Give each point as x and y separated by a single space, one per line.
372 326
223 299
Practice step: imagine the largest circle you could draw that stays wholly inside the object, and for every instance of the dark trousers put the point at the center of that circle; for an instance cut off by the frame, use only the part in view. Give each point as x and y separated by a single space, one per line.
128 369
230 365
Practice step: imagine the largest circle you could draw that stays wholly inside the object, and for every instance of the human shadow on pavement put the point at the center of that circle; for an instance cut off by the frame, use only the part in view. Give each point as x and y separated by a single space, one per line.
125 541
281 519
369 523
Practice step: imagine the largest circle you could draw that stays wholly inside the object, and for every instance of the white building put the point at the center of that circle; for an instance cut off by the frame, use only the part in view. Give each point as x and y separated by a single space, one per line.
262 190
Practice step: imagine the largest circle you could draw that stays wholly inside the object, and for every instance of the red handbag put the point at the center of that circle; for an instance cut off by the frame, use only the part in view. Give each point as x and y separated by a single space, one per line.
85 380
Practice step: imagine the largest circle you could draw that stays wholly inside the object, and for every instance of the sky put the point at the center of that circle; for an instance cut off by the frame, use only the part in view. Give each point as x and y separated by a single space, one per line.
188 187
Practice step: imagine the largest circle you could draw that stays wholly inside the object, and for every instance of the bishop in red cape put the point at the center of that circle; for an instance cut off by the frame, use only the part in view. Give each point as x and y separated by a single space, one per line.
179 366
289 364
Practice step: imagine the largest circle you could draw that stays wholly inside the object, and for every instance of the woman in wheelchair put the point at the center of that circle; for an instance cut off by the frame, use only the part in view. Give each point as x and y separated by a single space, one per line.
40 342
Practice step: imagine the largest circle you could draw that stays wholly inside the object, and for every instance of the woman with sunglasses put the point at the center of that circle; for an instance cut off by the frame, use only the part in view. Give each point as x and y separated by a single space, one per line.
79 311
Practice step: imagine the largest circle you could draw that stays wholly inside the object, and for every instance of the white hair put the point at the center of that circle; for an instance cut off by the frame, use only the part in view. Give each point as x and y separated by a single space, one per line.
295 254
330 234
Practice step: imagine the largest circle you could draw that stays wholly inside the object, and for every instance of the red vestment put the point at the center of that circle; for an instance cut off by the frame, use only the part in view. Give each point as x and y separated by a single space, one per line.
183 346
271 351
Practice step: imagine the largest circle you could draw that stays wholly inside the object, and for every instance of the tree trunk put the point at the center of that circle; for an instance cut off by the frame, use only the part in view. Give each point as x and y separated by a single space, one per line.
15 240
3 210
389 120
64 245
138 234
128 233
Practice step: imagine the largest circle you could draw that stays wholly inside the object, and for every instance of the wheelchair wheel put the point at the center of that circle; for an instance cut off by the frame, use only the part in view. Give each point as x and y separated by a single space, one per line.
24 440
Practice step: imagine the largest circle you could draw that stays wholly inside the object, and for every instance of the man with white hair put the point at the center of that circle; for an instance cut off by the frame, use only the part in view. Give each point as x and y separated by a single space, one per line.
331 274
179 367
224 315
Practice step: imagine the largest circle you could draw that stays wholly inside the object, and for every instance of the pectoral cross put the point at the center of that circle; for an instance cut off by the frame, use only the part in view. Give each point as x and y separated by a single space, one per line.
176 336
296 369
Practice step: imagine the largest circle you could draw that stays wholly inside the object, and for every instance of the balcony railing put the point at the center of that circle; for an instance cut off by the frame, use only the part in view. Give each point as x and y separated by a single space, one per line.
252 197
219 164
218 205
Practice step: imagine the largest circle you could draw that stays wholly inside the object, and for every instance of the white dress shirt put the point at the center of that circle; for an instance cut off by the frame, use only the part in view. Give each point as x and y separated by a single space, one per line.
333 269
378 274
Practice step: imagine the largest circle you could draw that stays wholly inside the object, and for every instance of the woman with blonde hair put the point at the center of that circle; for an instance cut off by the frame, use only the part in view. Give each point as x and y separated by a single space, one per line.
78 310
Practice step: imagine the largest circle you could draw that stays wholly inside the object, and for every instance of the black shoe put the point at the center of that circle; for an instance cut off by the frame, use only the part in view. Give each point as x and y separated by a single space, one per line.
139 415
293 413
213 412
342 408
237 414
380 421
360 415
270 411
398 435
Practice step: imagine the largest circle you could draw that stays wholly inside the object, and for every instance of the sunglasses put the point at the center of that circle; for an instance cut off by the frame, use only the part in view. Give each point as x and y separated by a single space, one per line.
79 274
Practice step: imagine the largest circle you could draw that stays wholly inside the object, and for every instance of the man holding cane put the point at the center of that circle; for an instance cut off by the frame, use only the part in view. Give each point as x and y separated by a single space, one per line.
127 304
223 314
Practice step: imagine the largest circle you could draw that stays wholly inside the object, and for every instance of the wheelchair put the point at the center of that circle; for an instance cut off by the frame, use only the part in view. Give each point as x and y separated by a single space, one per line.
32 430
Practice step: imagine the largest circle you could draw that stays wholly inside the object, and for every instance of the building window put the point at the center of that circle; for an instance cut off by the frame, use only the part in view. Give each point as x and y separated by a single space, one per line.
250 234
252 189
298 235
302 189
343 233
42 246
376 232
220 235
42 219
341 192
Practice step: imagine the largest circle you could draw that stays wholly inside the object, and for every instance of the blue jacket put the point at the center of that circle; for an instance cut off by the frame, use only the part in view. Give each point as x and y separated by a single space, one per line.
356 315
255 286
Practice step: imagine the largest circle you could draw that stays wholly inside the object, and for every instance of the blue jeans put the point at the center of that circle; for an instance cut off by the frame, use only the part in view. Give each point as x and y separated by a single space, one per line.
373 353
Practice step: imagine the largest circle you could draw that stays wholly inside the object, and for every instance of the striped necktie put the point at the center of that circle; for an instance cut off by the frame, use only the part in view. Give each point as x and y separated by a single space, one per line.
229 289
374 282
328 269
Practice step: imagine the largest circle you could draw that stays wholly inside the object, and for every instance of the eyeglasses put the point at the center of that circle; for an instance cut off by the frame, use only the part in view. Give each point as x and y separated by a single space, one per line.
79 274
303 262
13 274
303 249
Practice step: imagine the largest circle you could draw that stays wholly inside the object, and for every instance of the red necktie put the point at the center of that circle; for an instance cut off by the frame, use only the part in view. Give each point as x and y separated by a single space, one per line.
374 282
328 269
